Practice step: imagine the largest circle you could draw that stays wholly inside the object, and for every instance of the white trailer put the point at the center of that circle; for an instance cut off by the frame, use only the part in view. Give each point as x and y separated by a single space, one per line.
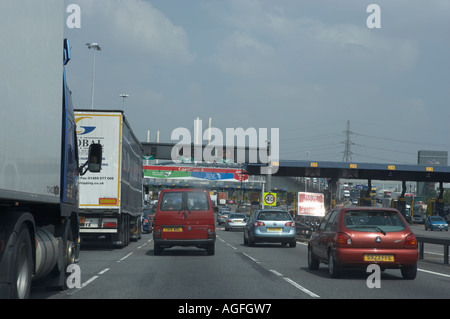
111 203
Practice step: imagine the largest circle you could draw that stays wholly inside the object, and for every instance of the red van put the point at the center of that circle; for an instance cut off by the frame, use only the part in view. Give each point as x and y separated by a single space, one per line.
184 217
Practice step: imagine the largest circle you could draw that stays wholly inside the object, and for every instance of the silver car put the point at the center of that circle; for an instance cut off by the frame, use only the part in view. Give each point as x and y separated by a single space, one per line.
222 216
270 226
235 221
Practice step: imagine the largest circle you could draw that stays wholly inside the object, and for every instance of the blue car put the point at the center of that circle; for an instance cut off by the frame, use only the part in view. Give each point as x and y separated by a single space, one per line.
147 225
436 222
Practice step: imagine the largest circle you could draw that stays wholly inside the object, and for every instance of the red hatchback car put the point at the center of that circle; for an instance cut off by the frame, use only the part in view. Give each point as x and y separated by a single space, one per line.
360 236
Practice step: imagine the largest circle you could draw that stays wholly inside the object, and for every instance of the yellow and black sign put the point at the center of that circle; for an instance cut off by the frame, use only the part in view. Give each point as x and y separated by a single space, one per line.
270 199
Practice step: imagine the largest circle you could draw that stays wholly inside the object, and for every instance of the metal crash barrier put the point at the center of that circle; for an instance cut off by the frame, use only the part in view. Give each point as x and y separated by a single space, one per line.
436 241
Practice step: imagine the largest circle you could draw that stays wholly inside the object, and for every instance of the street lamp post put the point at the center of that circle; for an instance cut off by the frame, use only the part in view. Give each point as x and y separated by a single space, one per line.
95 47
123 96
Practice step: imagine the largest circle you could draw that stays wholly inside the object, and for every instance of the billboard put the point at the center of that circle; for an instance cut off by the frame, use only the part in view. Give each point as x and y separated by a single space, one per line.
195 173
311 204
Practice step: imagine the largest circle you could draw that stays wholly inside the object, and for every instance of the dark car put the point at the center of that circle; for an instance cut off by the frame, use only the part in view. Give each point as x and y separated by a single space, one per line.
270 226
146 224
360 236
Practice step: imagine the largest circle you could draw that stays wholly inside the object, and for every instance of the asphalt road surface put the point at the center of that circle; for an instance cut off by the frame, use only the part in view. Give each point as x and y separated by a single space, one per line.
265 272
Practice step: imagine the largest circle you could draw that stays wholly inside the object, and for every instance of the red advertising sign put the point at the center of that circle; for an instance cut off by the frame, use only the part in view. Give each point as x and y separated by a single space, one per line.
311 204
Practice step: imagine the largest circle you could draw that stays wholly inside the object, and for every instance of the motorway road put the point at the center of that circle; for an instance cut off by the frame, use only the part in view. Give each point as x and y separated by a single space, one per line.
264 272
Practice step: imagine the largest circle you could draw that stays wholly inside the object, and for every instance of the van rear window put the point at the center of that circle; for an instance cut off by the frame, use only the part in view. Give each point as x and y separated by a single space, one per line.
172 201
191 200
197 201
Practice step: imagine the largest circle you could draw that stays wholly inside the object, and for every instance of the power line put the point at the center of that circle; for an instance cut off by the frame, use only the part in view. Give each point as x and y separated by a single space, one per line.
347 157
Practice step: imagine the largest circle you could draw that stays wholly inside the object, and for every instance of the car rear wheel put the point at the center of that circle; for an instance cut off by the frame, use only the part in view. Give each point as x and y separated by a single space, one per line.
251 243
313 263
333 267
409 272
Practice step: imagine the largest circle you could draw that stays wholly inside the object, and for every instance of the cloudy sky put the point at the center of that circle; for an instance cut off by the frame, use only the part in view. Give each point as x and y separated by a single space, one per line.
303 66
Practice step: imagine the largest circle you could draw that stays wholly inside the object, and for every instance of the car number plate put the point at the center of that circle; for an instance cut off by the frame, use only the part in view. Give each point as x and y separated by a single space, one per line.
173 229
388 258
274 229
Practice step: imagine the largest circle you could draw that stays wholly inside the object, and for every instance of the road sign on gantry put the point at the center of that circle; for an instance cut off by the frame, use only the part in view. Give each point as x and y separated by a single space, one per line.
270 199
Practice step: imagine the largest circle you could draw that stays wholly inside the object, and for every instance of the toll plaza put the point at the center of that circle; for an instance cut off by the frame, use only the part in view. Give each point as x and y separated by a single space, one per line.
333 171
365 171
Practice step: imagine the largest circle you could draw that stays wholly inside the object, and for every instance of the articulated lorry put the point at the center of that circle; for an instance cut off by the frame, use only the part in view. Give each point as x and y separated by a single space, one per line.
111 203
39 167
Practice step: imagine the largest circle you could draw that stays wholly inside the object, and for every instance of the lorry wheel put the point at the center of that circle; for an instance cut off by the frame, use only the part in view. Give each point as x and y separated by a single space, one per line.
23 265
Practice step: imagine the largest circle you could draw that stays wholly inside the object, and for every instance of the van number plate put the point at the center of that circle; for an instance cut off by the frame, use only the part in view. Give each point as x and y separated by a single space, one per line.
172 229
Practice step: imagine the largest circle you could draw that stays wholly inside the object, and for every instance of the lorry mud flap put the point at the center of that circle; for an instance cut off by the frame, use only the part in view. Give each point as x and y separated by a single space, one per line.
122 238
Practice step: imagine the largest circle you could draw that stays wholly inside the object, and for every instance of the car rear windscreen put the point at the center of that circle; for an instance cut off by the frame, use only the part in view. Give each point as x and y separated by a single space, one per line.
274 215
387 221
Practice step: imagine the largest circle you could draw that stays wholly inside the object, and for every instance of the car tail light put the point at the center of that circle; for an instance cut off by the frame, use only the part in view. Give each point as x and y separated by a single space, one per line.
291 224
343 239
256 224
411 241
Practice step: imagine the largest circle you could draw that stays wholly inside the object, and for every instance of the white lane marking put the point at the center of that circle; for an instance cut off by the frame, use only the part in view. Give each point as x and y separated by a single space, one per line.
434 273
103 271
250 257
139 247
125 257
276 273
87 282
296 285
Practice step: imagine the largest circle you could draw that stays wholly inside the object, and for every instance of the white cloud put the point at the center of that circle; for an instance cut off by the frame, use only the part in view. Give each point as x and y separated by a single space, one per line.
136 26
243 54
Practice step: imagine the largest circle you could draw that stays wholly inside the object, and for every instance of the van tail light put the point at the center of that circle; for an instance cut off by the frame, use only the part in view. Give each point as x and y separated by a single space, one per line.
157 232
411 241
211 232
343 239
257 224
290 224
